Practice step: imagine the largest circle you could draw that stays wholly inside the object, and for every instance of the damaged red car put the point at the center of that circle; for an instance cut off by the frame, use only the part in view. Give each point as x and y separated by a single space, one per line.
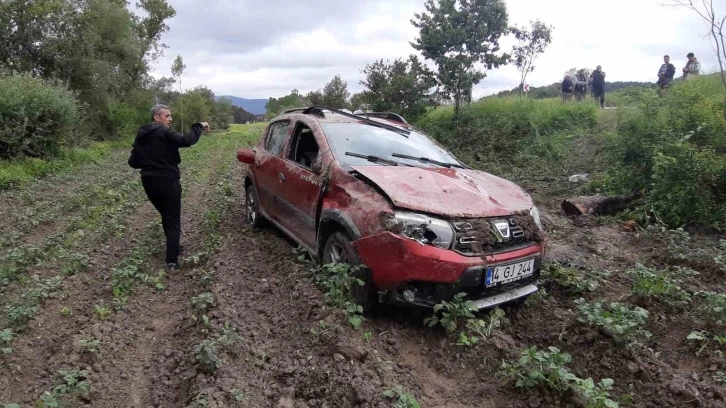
371 190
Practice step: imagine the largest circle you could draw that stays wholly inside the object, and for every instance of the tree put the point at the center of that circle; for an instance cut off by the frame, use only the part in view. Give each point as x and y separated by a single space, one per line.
716 25
275 106
315 98
357 101
403 86
242 116
530 44
457 35
335 93
100 48
574 71
177 70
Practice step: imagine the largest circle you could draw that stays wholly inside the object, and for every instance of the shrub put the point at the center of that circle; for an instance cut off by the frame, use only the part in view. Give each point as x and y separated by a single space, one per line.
497 131
37 118
547 369
672 149
664 285
619 321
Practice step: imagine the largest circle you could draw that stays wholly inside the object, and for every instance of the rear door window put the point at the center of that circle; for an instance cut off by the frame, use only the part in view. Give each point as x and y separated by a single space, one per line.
276 137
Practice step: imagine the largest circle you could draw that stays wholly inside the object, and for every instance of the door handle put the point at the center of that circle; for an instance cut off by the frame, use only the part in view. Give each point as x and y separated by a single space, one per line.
281 176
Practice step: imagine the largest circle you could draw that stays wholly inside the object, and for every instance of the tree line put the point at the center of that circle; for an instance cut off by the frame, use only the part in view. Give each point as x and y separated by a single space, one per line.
76 70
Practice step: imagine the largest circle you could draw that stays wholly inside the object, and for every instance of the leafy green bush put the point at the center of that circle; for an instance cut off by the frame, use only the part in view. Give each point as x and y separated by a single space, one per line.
37 118
618 320
672 150
451 313
546 369
17 172
338 281
664 285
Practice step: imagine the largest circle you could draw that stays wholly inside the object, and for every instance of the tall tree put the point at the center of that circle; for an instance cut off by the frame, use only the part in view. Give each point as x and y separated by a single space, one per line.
403 86
715 22
531 42
457 35
335 93
177 70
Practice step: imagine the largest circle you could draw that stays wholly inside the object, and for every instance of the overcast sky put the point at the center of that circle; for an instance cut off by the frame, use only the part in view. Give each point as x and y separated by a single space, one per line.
264 48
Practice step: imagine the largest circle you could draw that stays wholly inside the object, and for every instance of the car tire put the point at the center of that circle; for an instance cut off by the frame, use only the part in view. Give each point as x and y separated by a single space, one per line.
338 249
252 208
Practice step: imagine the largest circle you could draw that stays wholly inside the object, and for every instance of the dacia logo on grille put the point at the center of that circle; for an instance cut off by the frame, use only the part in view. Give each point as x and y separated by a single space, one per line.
503 228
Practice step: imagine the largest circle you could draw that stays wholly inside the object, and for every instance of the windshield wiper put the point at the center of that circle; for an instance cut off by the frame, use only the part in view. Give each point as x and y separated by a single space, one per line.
374 159
427 160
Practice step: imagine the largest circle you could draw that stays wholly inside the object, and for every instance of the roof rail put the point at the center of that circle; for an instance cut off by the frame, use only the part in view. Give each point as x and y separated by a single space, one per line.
387 115
318 111
294 110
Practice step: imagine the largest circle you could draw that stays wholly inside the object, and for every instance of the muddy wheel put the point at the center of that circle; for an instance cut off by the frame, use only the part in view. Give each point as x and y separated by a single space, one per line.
252 208
338 249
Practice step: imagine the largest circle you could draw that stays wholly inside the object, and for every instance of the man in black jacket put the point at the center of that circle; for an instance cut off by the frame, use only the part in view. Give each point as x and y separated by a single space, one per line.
666 73
567 88
156 152
598 85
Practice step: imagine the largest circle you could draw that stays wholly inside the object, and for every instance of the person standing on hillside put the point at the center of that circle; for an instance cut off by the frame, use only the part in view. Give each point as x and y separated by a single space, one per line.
580 86
567 88
692 68
666 73
156 152
598 85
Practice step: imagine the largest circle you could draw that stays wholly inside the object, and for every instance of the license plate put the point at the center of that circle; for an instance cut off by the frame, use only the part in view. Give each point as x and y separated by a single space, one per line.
502 274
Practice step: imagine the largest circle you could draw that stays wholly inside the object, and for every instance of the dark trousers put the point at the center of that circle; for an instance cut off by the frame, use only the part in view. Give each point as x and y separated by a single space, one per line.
599 96
165 194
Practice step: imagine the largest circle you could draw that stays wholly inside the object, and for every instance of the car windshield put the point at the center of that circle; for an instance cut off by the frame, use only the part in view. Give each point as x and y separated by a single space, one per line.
383 143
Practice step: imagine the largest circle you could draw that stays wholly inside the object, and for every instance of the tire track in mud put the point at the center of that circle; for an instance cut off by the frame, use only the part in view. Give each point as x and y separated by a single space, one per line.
51 341
287 358
144 370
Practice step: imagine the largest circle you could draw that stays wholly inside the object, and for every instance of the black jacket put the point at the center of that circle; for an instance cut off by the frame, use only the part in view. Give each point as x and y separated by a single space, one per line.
567 86
598 81
156 149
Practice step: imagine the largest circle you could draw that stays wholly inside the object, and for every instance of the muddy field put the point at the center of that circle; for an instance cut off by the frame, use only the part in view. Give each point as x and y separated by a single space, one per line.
91 320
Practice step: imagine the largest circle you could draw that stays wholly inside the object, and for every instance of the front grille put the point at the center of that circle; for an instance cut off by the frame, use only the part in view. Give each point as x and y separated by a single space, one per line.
480 237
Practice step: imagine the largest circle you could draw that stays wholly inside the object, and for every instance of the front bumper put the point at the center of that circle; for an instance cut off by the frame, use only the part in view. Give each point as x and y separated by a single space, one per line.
434 274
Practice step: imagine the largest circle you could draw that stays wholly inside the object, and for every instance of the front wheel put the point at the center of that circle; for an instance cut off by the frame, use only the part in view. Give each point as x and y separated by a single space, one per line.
252 208
339 250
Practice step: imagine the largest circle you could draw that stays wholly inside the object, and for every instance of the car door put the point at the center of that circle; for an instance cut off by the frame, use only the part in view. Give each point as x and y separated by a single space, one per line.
269 166
299 198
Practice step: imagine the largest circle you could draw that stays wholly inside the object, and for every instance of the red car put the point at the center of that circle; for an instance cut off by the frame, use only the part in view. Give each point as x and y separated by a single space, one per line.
370 190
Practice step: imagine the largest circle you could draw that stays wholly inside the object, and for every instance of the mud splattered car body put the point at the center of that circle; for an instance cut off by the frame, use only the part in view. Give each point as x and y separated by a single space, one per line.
374 191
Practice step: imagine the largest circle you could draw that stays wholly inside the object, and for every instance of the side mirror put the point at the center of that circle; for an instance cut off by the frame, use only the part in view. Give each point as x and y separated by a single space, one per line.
317 166
246 156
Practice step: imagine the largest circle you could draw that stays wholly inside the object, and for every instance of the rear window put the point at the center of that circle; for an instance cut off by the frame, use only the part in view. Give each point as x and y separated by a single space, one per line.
373 141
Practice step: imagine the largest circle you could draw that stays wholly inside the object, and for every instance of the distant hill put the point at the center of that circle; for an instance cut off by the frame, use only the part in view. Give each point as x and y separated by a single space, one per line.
253 106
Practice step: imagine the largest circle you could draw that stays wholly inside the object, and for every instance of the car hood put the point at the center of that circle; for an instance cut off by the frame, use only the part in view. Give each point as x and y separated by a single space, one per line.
448 192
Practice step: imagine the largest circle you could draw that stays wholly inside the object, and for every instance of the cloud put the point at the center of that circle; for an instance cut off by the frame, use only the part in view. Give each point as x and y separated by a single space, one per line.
258 49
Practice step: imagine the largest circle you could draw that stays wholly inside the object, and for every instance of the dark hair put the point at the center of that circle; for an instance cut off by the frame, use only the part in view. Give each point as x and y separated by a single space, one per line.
690 54
666 56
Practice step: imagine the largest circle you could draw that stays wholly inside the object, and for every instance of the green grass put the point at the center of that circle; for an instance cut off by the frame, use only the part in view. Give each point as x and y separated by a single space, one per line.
16 173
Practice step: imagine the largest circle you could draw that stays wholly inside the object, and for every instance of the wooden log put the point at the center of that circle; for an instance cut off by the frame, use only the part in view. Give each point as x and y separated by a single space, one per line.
598 205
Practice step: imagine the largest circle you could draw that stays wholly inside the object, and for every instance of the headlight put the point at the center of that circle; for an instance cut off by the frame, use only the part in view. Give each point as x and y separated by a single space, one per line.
424 229
534 212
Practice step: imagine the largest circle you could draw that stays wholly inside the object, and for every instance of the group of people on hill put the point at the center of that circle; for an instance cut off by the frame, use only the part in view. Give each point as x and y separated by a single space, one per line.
578 86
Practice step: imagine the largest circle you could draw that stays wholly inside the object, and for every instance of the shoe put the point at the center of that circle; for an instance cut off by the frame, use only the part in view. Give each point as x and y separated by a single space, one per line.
172 267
